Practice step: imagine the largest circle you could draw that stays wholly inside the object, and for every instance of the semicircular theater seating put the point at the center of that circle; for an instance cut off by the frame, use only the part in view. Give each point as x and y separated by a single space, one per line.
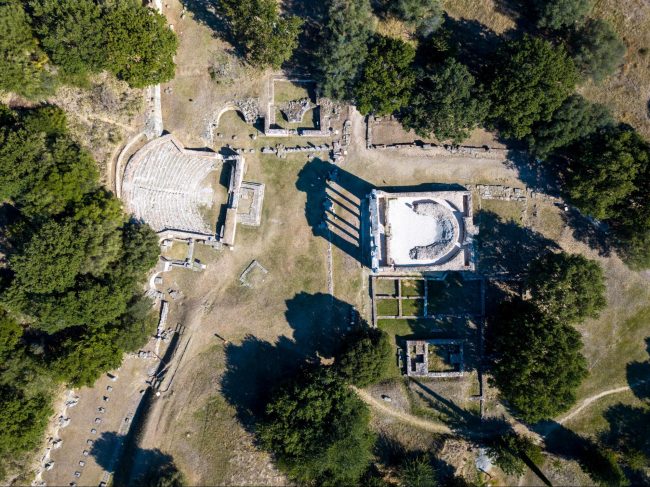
166 186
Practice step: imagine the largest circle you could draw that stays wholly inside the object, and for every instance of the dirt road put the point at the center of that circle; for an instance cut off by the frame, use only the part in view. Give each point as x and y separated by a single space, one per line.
381 407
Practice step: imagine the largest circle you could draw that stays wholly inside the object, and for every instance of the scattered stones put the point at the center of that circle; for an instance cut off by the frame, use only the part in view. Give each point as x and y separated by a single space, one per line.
295 109
249 108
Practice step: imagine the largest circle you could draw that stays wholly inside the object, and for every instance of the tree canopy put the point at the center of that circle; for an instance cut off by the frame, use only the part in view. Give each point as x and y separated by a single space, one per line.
605 169
366 358
74 264
265 37
533 81
558 14
537 360
22 420
344 47
82 37
417 472
387 77
425 15
71 32
139 45
597 49
22 63
508 451
576 118
568 287
446 103
318 429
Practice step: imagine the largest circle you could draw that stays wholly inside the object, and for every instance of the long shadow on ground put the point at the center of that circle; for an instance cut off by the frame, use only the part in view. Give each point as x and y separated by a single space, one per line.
255 367
105 447
506 248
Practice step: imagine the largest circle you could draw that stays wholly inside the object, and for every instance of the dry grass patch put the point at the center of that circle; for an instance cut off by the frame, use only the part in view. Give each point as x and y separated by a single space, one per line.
485 11
627 92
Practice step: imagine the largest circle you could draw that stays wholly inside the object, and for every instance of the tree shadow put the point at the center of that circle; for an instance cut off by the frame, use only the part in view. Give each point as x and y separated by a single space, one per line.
393 454
629 435
206 12
522 12
255 367
569 445
589 231
474 44
542 177
506 248
105 451
638 376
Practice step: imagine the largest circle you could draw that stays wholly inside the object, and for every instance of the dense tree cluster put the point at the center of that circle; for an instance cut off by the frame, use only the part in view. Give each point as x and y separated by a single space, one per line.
366 358
537 353
344 48
568 287
265 37
508 452
537 361
575 119
446 103
74 265
387 78
533 82
315 425
69 39
318 429
559 14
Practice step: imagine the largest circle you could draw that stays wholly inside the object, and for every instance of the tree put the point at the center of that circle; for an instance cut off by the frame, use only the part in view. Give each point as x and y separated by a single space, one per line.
23 67
266 38
318 430
597 49
575 119
533 81
628 435
604 169
557 14
417 472
446 102
139 45
568 287
22 421
42 169
344 47
60 250
367 357
72 33
10 333
537 361
425 15
79 356
166 476
510 450
387 77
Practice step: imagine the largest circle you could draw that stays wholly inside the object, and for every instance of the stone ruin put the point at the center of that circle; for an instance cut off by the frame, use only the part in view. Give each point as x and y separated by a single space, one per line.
444 226
421 231
295 110
250 109
172 189
418 364
328 112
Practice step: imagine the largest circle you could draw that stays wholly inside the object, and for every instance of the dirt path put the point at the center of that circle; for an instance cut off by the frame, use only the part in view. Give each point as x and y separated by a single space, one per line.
381 407
591 399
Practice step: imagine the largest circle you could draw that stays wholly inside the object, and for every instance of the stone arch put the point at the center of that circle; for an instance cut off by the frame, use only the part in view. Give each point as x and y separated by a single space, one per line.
228 107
